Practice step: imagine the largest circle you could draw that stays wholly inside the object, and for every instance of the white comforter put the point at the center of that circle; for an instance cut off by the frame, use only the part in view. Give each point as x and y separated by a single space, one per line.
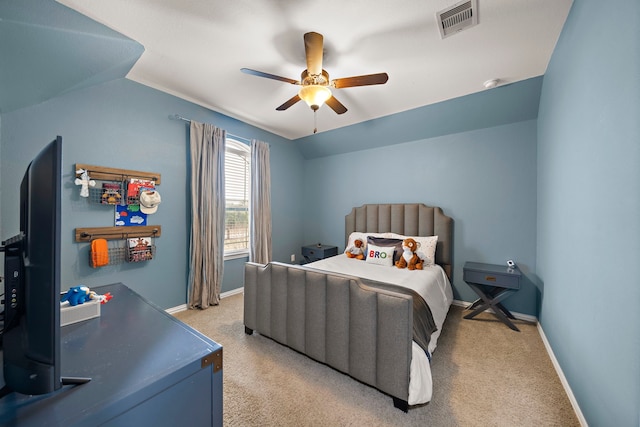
431 283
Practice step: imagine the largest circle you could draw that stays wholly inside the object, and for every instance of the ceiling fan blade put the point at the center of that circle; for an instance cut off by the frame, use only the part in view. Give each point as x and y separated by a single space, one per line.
269 76
289 103
313 48
366 80
336 105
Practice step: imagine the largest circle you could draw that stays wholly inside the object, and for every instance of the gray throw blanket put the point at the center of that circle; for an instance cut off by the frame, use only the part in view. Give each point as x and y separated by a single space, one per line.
423 324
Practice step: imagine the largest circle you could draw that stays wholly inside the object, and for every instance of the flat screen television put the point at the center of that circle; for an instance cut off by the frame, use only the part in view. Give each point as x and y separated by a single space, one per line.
31 333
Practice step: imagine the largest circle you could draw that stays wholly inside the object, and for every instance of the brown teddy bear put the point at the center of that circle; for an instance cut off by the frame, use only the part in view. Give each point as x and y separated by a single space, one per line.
410 258
355 251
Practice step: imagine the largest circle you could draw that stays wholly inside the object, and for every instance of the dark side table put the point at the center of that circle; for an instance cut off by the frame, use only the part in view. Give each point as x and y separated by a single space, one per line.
317 252
493 284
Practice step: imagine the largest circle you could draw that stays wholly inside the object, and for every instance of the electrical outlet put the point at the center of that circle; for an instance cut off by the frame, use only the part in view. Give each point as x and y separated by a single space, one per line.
293 257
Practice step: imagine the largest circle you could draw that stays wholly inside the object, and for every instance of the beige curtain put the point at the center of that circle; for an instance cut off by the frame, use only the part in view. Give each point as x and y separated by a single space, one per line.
207 146
260 235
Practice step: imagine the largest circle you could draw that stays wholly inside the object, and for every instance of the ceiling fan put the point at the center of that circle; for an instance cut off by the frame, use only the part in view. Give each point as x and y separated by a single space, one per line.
315 80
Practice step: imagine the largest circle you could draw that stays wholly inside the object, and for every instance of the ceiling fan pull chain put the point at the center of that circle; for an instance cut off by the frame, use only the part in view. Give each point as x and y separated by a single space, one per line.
315 121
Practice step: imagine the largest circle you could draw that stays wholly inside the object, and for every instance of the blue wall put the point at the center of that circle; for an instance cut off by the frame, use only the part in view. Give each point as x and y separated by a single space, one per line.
485 179
506 104
589 208
123 124
558 191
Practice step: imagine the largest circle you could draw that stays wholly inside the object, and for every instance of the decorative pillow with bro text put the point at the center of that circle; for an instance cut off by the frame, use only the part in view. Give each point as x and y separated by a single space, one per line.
387 242
380 255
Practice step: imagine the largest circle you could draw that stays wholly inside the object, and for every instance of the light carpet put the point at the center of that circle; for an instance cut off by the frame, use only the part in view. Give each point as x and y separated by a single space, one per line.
484 374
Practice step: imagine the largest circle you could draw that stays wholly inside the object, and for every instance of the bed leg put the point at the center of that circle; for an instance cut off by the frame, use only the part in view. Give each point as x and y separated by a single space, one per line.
403 405
248 331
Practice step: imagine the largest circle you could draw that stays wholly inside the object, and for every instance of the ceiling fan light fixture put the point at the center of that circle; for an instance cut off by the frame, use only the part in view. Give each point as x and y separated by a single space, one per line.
314 95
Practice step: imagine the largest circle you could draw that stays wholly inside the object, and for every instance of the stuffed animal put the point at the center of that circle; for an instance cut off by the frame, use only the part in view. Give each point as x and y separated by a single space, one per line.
80 294
76 295
355 251
85 182
410 258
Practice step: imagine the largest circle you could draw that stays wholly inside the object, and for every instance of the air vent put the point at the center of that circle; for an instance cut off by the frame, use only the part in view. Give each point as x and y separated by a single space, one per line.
458 17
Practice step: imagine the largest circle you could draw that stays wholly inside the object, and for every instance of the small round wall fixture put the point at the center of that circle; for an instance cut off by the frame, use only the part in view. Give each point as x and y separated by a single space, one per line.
490 84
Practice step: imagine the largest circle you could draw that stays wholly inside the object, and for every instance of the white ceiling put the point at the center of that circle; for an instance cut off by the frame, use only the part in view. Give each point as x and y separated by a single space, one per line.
194 49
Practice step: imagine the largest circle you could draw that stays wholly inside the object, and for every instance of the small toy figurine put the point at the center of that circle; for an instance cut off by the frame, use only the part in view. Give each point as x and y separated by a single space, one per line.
102 298
81 294
355 251
76 295
85 182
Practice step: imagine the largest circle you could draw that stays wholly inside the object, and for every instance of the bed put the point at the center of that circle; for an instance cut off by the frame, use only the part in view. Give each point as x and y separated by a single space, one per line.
376 323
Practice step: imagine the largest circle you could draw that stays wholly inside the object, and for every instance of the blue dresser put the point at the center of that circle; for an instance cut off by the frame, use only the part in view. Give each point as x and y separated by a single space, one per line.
146 368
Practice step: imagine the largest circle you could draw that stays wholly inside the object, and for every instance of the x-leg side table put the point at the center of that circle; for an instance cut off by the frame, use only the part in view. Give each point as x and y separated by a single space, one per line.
493 284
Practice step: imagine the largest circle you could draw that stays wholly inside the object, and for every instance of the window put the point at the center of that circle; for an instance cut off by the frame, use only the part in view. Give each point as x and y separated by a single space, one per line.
237 185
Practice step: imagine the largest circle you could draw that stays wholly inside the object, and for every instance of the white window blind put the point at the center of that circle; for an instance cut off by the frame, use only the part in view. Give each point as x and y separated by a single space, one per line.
237 187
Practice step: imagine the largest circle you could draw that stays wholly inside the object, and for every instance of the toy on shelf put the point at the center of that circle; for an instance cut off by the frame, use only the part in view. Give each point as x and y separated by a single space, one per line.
140 249
76 295
103 299
110 193
81 294
85 182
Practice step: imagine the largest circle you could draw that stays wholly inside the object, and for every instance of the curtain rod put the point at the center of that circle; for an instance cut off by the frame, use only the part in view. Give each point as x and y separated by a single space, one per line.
177 117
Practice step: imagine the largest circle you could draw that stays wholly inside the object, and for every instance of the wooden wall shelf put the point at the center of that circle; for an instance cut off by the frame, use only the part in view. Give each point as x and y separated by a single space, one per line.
113 174
117 233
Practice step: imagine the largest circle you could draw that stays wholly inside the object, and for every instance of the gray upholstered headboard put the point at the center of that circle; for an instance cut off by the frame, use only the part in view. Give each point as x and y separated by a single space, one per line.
410 219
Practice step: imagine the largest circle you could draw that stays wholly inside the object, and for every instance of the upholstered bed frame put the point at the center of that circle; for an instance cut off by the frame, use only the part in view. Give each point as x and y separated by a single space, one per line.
344 321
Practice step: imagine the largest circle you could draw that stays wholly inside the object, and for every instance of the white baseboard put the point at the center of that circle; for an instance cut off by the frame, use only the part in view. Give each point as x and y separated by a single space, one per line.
176 309
183 307
232 292
563 379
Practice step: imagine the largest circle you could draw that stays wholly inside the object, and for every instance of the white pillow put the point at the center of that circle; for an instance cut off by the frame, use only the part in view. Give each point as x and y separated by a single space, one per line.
427 247
380 255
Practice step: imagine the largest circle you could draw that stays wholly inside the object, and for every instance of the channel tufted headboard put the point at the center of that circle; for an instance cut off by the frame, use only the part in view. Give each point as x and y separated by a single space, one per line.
409 219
